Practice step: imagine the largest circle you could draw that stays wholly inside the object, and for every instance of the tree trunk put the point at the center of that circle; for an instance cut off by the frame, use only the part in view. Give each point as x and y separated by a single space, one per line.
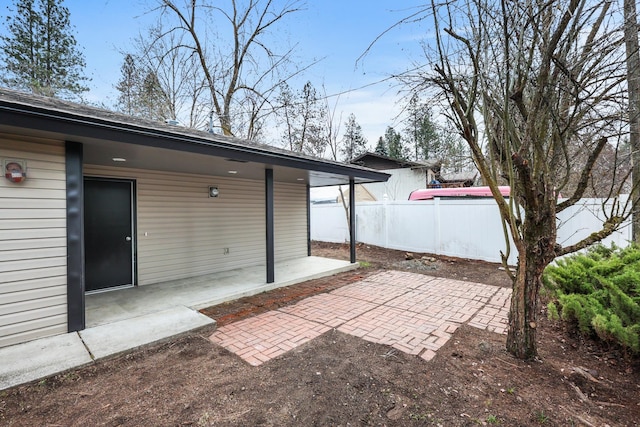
633 81
537 251
521 337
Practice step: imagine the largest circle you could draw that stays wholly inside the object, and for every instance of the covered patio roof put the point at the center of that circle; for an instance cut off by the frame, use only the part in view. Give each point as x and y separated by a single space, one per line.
94 136
148 144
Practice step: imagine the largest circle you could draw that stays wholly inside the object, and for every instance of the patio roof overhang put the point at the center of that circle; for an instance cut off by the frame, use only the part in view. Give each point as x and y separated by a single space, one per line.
94 136
146 144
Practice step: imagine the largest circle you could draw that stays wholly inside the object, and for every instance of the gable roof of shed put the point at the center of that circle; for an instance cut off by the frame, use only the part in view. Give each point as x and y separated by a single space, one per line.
380 162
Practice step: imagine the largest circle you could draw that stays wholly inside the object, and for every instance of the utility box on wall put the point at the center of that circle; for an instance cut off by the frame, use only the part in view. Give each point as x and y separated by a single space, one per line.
15 170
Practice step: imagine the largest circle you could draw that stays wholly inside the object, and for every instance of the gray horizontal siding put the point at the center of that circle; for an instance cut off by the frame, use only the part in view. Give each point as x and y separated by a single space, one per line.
290 221
186 231
33 243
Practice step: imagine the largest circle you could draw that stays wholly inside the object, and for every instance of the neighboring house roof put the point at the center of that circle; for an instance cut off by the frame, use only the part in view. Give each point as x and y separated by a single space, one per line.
468 177
380 162
154 145
459 176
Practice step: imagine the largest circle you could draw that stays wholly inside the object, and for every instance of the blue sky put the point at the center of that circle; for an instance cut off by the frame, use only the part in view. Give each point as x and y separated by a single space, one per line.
337 30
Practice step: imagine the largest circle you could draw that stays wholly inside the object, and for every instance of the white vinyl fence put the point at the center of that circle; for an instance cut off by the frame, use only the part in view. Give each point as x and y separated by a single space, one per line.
453 227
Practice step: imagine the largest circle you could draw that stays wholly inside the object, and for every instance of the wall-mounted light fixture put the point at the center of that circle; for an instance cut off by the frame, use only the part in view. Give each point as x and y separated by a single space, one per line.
15 170
213 191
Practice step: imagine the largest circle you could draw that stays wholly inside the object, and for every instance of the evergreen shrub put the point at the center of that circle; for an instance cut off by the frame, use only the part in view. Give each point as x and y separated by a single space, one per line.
599 292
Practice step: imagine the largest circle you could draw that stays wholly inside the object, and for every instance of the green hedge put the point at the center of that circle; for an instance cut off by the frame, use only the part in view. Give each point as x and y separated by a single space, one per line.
599 292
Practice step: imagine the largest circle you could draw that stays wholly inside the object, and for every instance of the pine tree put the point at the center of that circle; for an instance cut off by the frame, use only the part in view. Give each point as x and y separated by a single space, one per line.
40 53
354 143
128 86
454 152
153 100
141 93
381 147
394 144
422 131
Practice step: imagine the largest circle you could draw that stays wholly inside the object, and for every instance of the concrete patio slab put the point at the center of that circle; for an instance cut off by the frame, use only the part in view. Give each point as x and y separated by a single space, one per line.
41 358
124 319
204 291
113 338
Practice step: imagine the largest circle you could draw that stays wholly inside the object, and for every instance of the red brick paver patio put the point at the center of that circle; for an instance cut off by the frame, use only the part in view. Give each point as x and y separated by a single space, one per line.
412 313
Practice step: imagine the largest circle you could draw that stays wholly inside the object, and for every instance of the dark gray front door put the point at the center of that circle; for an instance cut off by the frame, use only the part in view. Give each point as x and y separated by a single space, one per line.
108 233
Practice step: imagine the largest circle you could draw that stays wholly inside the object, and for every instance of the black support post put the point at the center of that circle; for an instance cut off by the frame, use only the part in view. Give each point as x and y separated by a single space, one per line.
352 218
268 181
75 237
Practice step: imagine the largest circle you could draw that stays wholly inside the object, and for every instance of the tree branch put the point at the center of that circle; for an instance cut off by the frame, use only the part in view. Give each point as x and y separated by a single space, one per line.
608 227
584 178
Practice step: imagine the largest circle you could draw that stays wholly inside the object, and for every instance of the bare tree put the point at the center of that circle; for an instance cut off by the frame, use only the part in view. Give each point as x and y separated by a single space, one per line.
529 83
333 120
633 81
304 118
240 67
178 74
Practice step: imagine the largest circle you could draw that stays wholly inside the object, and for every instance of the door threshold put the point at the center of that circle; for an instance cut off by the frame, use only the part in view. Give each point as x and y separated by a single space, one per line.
109 289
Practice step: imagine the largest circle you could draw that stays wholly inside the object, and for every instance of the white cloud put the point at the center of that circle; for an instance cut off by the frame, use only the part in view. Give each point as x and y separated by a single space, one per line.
374 111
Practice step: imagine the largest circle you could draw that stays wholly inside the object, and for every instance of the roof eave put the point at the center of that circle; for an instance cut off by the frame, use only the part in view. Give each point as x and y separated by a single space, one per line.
76 126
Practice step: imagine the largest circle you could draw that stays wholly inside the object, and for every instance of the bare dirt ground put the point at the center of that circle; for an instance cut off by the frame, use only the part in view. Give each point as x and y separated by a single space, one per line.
340 380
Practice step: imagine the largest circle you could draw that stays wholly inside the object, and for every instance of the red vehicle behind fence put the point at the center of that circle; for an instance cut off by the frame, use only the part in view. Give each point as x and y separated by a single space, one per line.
430 193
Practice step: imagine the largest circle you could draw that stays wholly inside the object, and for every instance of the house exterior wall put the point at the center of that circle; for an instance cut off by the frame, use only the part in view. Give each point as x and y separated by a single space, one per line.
33 271
181 232
290 221
401 183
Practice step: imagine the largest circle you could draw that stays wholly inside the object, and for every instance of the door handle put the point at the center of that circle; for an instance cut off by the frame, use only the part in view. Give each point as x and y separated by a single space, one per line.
128 238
